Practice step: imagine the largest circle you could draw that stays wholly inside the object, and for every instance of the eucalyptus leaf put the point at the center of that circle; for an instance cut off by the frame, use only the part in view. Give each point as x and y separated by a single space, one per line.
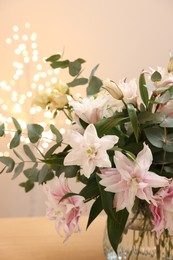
155 136
93 71
167 122
75 67
60 64
34 132
18 170
15 140
56 132
18 155
54 58
2 129
43 173
94 86
168 144
29 152
32 173
78 82
17 125
156 76
27 185
9 162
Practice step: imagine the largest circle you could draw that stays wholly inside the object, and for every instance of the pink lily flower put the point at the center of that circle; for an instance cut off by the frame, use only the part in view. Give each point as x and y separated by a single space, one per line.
131 179
88 150
66 212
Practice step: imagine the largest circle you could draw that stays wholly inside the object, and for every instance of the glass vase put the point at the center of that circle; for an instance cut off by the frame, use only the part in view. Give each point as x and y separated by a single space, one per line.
140 243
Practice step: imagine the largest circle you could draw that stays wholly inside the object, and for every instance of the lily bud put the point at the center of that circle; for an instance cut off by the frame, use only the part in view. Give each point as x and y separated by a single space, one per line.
170 65
113 89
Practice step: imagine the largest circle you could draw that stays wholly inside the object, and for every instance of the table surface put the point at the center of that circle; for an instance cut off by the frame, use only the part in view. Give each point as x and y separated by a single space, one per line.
37 239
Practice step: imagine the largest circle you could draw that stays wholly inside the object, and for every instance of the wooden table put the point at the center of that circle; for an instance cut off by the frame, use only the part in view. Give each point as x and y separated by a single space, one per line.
36 239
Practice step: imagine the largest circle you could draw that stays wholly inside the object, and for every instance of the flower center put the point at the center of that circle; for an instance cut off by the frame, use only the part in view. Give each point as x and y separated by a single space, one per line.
134 183
92 152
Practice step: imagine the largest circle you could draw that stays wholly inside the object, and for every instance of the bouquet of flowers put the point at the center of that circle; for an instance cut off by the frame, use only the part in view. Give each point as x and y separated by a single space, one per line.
119 146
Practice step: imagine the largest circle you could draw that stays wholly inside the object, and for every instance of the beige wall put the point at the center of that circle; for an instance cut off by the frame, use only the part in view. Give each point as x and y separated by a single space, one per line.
123 36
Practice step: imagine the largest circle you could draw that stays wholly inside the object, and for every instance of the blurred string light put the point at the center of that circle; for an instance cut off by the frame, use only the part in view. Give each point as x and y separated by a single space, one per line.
28 76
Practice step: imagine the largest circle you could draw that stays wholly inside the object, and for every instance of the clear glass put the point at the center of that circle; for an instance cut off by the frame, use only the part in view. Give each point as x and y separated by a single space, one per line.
139 244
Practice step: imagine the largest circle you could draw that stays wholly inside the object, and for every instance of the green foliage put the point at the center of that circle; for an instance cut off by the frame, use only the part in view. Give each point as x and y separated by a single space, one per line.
56 132
75 67
95 210
117 223
2 128
34 132
90 190
134 120
77 82
27 185
9 162
136 124
143 90
54 58
156 76
29 153
16 139
18 170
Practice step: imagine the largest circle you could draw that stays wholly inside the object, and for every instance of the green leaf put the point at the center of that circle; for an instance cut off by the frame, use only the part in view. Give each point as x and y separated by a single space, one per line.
156 76
56 132
93 71
9 162
2 129
60 64
107 199
143 89
34 132
57 159
75 67
168 144
51 150
95 210
155 136
27 185
78 82
43 173
71 171
29 153
134 120
17 125
94 85
54 58
163 158
106 125
165 97
168 122
32 173
90 190
18 155
18 170
15 140
149 118
116 227
68 195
